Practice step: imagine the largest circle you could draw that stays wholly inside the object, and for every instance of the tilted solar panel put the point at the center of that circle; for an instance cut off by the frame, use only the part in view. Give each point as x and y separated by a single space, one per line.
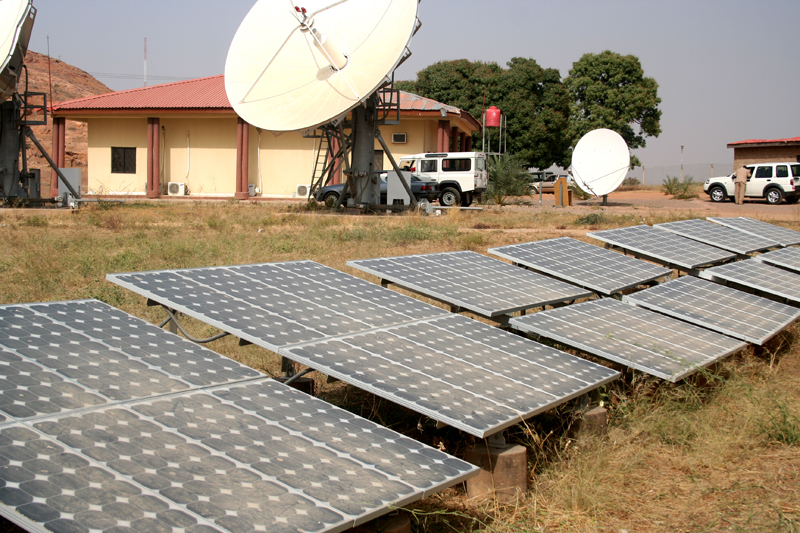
788 258
583 264
471 281
720 236
663 247
379 340
785 236
758 276
718 308
637 338
113 424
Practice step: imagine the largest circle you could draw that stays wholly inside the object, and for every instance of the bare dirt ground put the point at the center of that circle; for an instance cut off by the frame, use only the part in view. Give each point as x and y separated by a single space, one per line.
645 200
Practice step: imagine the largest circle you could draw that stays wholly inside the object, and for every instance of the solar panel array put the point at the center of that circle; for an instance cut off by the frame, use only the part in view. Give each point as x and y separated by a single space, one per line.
448 367
788 258
719 236
758 276
112 424
718 308
637 338
471 281
785 236
583 264
663 247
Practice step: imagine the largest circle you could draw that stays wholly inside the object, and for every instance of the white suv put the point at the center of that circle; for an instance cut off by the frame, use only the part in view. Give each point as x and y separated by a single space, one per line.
462 176
772 181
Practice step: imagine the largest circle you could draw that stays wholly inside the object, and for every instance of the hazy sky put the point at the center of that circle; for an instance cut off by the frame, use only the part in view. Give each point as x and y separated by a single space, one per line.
727 69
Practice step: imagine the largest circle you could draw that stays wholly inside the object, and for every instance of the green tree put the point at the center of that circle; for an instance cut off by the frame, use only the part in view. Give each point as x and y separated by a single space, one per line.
533 100
610 90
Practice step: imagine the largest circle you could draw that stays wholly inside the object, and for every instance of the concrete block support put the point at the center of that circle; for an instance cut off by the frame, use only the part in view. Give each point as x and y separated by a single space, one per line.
400 523
593 424
504 472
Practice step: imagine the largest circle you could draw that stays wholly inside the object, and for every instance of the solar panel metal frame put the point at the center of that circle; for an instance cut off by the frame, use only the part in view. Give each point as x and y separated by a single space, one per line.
639 241
355 352
788 258
587 256
459 279
612 346
722 237
719 308
785 236
213 435
758 276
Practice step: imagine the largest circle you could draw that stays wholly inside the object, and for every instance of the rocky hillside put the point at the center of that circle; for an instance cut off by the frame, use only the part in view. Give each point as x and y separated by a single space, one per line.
68 83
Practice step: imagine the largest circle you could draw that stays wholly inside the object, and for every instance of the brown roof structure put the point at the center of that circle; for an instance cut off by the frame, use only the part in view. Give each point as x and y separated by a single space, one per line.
764 142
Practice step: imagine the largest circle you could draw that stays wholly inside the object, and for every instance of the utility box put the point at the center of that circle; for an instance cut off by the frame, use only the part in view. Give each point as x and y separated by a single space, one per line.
562 193
73 176
395 192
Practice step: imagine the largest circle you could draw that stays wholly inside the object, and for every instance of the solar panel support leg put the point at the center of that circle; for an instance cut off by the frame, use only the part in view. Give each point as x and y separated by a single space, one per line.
287 367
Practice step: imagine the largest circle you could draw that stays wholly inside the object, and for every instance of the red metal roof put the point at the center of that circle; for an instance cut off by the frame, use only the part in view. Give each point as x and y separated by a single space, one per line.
766 141
202 93
208 94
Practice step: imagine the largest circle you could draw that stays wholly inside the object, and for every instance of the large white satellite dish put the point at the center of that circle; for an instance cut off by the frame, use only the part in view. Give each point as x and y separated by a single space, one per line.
600 162
297 64
16 22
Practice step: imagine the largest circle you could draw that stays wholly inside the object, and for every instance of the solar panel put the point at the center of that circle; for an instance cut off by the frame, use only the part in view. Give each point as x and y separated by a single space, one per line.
197 442
379 340
719 236
719 308
471 281
758 276
638 338
584 264
785 236
788 258
663 247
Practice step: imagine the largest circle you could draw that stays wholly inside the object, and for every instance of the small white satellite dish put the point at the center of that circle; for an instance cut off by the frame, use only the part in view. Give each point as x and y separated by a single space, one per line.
297 64
600 162
16 23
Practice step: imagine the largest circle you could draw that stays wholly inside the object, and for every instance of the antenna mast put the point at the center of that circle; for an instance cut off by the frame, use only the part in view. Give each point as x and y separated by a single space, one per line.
145 61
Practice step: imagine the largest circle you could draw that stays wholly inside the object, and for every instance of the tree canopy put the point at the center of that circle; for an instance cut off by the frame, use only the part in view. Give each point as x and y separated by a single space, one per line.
546 117
609 90
533 99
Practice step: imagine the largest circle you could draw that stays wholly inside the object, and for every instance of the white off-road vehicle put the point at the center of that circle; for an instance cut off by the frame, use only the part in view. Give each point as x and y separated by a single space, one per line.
772 181
462 176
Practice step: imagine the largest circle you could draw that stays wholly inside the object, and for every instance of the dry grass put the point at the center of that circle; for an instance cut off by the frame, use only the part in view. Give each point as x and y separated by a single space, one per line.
718 453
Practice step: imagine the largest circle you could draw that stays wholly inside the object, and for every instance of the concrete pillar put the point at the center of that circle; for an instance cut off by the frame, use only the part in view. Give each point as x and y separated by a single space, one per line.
241 157
443 144
468 143
504 472
153 158
59 151
464 137
592 424
337 162
453 146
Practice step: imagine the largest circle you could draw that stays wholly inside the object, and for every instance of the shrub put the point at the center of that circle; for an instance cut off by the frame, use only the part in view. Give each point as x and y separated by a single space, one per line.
680 191
508 176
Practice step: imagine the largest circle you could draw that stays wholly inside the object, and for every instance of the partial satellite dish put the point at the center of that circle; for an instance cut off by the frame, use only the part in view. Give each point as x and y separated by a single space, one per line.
294 66
16 23
600 162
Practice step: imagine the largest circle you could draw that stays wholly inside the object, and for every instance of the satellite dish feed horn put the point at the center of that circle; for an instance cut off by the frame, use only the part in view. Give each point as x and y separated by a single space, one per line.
600 162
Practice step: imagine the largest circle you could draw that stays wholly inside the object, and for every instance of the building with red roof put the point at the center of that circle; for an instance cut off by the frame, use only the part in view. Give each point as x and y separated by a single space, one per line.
765 151
187 133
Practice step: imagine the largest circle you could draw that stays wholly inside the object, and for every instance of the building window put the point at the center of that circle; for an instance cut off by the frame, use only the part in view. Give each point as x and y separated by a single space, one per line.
123 160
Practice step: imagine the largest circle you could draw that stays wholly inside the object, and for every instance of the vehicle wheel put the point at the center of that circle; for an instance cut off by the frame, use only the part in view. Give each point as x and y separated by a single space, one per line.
717 194
792 199
774 196
330 199
449 197
467 200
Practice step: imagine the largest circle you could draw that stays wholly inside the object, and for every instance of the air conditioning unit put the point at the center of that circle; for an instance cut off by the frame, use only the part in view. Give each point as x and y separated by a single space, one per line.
302 191
399 138
176 189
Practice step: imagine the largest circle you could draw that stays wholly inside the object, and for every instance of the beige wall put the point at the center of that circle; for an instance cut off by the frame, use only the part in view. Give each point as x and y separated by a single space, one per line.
125 133
768 154
206 161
